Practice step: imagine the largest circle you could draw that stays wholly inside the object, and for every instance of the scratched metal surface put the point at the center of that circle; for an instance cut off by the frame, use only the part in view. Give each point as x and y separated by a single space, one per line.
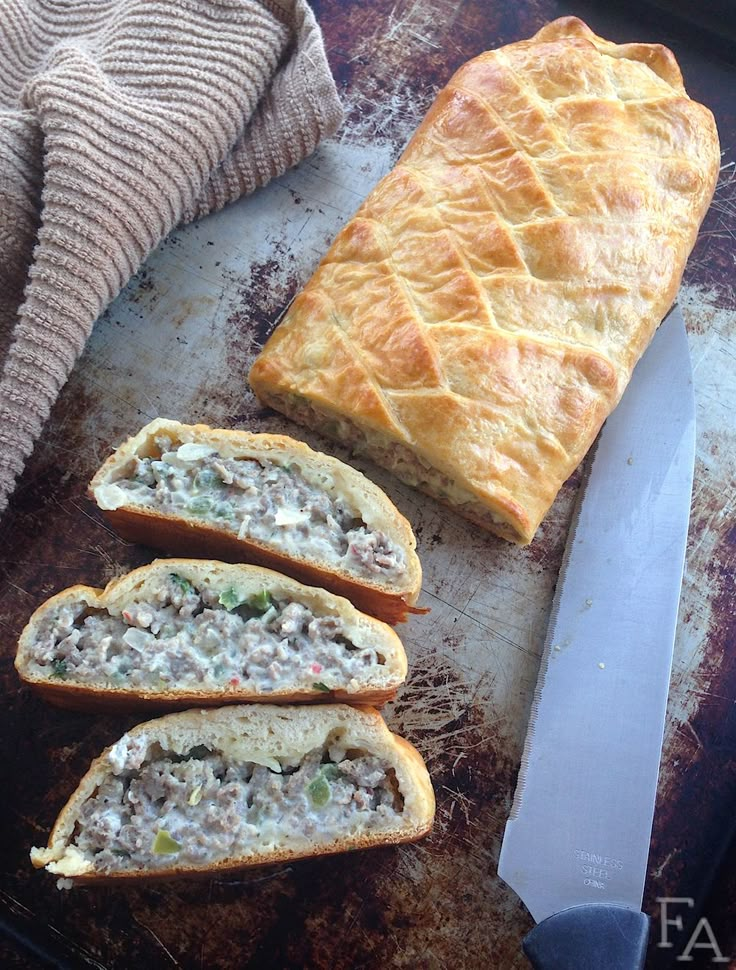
178 342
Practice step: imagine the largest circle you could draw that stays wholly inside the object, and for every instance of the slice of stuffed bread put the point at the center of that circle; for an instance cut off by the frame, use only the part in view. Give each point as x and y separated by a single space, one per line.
205 792
266 499
180 632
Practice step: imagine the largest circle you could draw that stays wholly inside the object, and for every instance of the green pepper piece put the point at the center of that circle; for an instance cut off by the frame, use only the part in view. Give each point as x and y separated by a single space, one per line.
201 505
331 772
184 585
319 791
224 510
318 685
261 601
164 844
59 668
207 479
230 599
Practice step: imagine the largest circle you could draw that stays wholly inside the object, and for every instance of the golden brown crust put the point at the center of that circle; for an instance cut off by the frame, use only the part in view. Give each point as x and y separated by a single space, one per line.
487 303
390 600
288 731
96 700
138 585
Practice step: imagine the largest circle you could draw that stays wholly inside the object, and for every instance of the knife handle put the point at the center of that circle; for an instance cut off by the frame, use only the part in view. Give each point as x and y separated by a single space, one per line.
589 937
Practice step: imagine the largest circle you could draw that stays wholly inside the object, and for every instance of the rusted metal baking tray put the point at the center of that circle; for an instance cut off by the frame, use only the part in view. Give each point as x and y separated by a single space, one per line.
178 342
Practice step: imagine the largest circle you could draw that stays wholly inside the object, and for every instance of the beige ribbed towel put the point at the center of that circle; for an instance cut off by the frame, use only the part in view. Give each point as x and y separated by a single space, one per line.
120 119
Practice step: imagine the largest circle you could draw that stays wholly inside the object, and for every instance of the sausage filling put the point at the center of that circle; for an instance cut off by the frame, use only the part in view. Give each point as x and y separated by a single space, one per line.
200 808
181 636
263 501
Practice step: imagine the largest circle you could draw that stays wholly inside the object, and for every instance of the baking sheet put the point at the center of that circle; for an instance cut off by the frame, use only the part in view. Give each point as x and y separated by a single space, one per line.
178 343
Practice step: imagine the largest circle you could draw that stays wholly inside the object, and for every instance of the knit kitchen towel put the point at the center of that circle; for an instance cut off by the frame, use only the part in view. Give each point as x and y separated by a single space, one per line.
120 119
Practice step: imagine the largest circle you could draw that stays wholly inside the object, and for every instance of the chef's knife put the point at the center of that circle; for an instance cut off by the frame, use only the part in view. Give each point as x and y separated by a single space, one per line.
576 844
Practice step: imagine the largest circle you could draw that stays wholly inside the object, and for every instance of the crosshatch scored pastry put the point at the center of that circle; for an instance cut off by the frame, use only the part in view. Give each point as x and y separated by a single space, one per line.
474 324
208 792
264 499
180 632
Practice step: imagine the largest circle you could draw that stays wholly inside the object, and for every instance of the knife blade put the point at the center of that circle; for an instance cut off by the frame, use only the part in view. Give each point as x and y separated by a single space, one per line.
576 843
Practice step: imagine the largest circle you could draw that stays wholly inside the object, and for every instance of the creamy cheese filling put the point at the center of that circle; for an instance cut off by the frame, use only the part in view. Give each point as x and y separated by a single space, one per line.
181 636
258 500
203 807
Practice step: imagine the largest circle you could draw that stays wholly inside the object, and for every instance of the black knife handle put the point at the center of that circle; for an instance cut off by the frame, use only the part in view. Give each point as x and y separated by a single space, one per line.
590 937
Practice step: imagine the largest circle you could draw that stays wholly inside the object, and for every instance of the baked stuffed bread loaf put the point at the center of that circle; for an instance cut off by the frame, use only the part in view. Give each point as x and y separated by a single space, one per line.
265 499
184 632
207 792
474 324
